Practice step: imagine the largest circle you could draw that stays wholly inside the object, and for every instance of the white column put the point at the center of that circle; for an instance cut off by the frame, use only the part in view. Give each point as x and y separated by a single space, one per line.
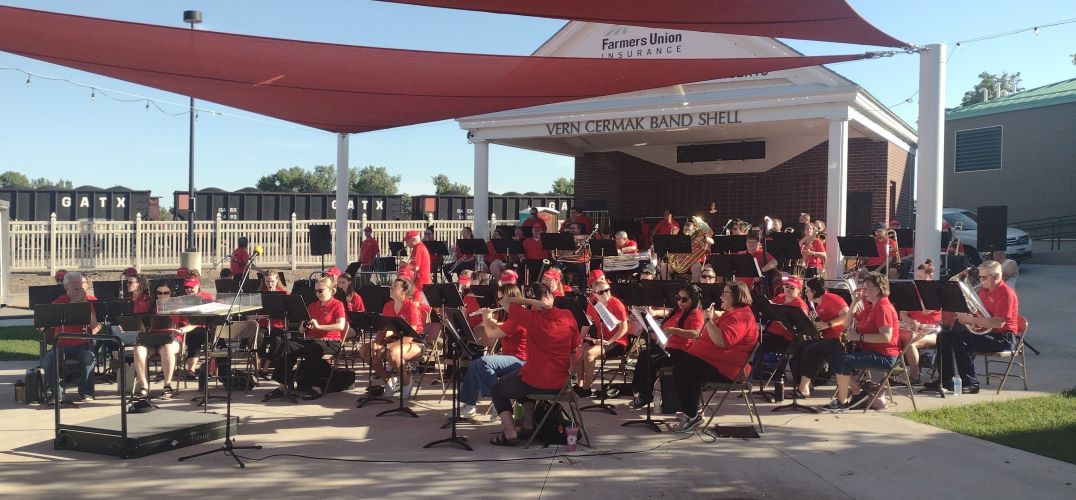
929 170
836 194
342 190
481 189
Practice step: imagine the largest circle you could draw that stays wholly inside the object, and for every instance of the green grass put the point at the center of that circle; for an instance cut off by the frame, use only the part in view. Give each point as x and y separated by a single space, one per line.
19 343
1044 425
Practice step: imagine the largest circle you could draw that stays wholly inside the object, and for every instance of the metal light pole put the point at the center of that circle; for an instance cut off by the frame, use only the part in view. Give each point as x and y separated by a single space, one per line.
191 258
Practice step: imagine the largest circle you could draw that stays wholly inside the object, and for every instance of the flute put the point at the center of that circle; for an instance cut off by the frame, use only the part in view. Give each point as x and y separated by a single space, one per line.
479 313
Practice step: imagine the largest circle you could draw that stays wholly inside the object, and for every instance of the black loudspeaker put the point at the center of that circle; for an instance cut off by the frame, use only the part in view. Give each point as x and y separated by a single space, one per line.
321 239
992 228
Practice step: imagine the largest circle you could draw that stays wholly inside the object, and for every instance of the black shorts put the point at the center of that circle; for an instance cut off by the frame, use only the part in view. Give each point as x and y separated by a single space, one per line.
615 350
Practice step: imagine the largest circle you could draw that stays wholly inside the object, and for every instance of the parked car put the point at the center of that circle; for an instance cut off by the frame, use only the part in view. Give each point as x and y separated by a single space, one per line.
965 226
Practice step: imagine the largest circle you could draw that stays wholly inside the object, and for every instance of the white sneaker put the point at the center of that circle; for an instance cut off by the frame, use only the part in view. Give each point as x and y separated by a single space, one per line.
468 411
406 391
390 387
688 424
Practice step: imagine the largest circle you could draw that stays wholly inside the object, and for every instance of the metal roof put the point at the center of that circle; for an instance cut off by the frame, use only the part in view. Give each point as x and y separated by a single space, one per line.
1048 95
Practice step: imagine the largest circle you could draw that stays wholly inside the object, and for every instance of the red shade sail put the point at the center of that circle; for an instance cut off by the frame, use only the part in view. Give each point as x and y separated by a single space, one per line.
824 20
342 88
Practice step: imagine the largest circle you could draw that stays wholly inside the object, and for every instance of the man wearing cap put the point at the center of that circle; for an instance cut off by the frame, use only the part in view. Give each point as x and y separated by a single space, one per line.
420 259
508 277
777 338
75 286
240 258
332 273
369 249
194 335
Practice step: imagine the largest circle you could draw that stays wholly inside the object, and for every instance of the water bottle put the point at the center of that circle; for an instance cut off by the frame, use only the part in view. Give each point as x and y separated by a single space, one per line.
573 437
517 413
779 390
957 385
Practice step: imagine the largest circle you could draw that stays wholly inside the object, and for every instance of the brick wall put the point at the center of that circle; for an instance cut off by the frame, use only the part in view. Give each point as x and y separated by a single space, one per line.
630 187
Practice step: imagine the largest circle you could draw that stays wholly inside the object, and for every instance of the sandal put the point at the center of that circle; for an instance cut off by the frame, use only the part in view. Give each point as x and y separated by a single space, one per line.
143 394
796 394
168 392
502 440
273 394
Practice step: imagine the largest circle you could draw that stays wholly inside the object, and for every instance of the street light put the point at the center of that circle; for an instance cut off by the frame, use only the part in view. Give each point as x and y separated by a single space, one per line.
191 259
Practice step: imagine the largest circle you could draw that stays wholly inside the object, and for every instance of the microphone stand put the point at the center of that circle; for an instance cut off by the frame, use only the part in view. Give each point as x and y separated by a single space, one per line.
229 446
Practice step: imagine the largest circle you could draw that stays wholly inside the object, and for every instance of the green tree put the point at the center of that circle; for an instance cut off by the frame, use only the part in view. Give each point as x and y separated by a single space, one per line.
1010 84
445 186
14 179
43 182
375 180
323 178
563 187
289 180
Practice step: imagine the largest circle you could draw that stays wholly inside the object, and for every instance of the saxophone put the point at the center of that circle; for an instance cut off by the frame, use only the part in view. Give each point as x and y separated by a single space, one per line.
681 262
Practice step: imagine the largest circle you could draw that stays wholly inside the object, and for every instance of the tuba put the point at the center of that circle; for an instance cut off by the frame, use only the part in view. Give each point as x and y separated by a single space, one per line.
681 262
975 304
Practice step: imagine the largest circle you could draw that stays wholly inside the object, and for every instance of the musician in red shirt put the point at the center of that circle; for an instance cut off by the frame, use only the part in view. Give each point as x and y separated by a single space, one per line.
75 286
881 243
576 216
718 353
681 327
920 322
813 250
1003 324
322 336
534 254
240 258
828 311
667 225
766 262
368 250
483 372
420 260
396 348
552 336
624 245
534 220
776 337
195 335
878 334
494 260
167 351
607 343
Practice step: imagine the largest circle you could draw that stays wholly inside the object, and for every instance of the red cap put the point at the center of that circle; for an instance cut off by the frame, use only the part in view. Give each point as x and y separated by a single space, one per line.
411 234
60 273
595 275
406 274
552 273
509 276
894 223
192 282
130 272
182 272
464 280
332 271
794 281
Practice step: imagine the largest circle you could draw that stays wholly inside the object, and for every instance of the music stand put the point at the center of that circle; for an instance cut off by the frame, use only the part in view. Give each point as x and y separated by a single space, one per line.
285 307
397 249
443 295
578 311
303 289
226 285
454 323
472 246
784 247
651 330
711 294
45 294
610 322
486 295
906 238
58 316
802 329
729 244
251 285
107 311
656 293
905 296
564 242
108 290
858 247
368 322
603 248
942 296
732 266
402 330
665 244
436 247
508 246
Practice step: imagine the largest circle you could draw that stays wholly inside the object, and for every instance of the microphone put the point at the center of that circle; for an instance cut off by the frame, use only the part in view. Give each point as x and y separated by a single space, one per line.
258 250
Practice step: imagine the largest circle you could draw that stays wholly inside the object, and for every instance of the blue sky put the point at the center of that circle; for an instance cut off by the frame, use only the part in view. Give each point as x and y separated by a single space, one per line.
55 130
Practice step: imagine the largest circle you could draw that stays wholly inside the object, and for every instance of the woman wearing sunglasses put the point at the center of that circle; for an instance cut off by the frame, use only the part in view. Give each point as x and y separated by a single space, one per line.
483 372
717 355
681 327
608 343
777 338
323 334
167 352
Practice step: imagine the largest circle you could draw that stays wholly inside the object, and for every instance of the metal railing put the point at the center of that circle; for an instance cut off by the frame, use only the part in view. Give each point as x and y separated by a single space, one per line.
1052 229
45 246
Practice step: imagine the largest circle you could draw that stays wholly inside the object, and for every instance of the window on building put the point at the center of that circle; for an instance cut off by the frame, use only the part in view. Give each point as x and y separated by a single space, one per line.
978 149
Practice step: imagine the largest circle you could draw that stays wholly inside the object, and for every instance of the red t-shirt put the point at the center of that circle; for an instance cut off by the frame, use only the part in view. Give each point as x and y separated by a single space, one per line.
617 309
532 249
470 305
628 244
776 327
368 251
828 310
411 312
533 221
240 257
926 317
141 305
664 227
816 245
880 246
492 255
355 304
740 334
421 260
693 322
761 262
872 318
329 313
514 342
64 299
206 296
1001 302
551 336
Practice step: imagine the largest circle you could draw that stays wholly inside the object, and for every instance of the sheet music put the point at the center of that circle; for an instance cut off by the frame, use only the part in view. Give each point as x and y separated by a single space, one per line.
607 317
208 308
646 319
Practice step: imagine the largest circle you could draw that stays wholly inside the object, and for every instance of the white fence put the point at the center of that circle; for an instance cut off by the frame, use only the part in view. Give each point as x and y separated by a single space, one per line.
156 245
